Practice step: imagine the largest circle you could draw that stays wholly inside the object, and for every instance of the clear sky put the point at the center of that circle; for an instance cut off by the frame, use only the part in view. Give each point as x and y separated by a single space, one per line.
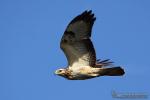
30 33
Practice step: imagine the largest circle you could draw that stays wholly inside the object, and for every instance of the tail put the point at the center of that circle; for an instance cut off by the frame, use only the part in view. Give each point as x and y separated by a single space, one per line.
114 71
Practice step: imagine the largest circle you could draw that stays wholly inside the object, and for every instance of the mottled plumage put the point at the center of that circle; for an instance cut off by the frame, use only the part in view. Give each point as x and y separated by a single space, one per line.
80 52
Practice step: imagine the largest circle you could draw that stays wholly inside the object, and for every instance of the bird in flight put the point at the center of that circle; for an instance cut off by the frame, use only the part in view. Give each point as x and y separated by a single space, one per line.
79 50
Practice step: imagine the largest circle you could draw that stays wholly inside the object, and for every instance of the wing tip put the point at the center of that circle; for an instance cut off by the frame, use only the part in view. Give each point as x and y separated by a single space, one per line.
86 16
89 14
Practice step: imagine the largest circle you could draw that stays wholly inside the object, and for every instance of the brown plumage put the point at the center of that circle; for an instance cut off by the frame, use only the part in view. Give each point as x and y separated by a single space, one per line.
80 52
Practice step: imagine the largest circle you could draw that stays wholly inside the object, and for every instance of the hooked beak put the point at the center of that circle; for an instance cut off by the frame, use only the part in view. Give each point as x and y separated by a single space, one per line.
56 72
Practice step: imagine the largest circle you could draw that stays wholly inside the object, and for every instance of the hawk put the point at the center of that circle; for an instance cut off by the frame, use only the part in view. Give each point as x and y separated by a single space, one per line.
79 50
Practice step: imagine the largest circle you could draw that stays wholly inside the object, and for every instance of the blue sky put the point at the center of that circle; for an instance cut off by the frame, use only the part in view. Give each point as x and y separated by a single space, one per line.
30 32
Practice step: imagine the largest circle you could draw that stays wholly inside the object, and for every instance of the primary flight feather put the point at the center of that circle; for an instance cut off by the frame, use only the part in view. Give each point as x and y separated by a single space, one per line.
79 50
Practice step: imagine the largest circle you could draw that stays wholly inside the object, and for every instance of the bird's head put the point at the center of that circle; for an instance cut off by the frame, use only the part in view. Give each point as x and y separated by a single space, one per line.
60 72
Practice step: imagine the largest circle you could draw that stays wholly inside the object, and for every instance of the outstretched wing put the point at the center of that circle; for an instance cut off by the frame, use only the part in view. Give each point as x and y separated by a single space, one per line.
76 42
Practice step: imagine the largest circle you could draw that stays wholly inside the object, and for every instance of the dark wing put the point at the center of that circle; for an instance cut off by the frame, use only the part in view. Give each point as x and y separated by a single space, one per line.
76 42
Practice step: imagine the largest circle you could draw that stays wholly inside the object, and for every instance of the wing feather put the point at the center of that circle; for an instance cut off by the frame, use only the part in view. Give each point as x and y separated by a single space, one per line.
76 43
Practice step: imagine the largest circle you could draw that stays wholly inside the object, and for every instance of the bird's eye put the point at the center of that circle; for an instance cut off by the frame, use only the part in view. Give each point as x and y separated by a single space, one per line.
60 70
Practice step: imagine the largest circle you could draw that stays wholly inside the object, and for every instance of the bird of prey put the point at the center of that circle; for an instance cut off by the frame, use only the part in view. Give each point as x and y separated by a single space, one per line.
79 50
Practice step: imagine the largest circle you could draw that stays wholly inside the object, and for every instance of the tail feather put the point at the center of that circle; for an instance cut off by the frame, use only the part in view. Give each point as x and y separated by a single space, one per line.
114 71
